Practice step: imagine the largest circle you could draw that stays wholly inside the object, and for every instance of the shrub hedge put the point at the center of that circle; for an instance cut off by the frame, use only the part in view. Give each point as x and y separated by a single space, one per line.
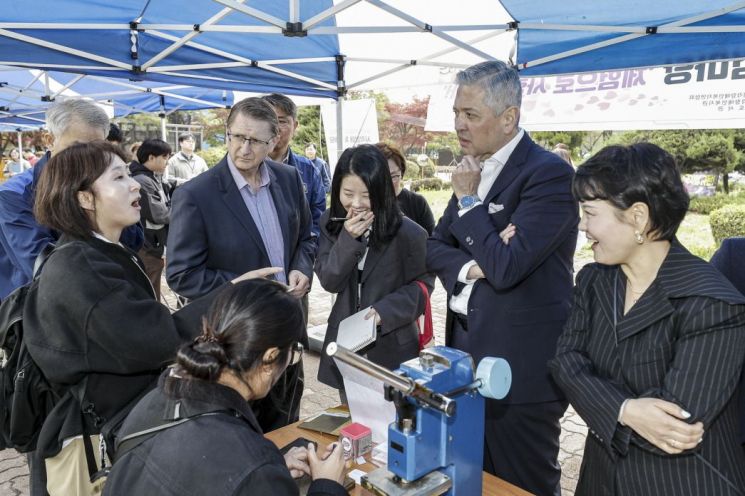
707 204
727 222
434 183
412 170
213 154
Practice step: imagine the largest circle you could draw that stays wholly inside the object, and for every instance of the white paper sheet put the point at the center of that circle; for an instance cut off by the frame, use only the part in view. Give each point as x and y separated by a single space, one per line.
366 402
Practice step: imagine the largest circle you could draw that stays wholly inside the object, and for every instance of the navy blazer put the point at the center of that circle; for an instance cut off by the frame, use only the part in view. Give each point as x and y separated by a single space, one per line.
683 342
518 311
213 238
729 259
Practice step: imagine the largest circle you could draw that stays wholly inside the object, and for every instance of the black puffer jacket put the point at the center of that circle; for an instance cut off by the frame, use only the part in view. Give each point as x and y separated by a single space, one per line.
94 315
223 454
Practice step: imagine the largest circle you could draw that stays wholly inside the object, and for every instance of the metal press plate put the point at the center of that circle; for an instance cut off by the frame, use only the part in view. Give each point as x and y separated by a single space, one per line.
380 482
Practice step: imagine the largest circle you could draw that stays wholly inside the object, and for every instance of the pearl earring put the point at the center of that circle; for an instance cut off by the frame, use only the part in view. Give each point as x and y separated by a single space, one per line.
638 237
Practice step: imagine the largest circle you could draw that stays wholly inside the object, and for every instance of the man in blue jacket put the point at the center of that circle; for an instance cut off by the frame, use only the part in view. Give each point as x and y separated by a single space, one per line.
21 237
314 191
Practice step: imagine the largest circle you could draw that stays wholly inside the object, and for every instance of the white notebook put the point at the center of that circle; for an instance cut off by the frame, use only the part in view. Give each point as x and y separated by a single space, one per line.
355 332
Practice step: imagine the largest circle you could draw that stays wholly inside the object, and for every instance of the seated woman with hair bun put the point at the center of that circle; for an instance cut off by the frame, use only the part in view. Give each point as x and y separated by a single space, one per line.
251 334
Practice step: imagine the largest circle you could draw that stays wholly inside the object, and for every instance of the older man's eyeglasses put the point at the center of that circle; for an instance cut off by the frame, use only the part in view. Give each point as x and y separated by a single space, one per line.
252 142
296 353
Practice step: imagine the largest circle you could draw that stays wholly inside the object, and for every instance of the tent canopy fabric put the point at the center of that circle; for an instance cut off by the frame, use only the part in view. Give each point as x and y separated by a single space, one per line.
309 47
25 95
574 36
324 47
151 40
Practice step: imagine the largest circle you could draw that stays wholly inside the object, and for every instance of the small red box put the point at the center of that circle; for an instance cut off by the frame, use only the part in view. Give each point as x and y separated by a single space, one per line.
356 440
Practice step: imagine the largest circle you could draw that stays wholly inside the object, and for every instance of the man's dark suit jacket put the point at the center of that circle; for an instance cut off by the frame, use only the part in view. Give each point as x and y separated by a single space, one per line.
213 238
518 311
729 259
683 342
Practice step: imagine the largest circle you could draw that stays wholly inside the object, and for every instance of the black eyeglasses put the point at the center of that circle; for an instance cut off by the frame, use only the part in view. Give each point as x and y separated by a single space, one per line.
252 142
296 353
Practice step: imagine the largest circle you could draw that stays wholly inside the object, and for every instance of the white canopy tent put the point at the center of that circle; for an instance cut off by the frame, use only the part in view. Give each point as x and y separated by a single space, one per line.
325 48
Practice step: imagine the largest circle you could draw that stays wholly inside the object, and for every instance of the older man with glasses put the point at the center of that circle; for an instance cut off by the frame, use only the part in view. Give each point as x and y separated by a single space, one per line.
246 213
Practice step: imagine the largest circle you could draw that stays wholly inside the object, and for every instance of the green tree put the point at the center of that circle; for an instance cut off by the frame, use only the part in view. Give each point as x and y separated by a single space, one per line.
309 130
713 150
404 126
213 121
549 139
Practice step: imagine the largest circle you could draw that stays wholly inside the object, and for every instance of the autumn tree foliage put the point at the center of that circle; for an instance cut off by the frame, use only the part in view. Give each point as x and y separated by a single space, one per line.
403 126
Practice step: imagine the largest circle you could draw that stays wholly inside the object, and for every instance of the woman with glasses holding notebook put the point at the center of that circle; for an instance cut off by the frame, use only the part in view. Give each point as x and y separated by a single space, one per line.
371 257
212 442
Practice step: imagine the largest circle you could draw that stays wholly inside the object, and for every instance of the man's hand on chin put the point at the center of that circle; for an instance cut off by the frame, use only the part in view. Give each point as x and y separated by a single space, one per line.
466 177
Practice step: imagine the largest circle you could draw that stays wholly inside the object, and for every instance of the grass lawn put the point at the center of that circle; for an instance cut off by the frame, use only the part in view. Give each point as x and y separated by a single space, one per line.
694 232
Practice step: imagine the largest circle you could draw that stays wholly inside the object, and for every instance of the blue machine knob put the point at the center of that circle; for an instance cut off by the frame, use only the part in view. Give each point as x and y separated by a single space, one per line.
495 376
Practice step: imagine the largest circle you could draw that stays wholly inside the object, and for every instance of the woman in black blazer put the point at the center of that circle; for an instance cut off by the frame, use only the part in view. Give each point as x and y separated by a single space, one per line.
371 256
651 355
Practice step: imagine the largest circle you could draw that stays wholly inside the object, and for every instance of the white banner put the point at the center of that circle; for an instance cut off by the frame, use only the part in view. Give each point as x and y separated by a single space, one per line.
359 125
707 95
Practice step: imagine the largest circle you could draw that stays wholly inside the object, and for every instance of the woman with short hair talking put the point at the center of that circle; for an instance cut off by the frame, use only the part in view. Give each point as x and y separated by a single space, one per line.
251 334
651 355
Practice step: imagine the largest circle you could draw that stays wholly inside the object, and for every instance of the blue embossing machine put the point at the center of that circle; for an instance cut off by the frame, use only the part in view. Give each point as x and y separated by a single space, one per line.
436 444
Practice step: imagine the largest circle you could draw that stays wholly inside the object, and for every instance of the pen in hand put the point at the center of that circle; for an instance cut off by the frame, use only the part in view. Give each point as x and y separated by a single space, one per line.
338 219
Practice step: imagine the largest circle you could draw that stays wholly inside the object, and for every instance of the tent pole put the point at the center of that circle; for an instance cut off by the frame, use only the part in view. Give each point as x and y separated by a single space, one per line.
341 90
20 144
339 129
162 116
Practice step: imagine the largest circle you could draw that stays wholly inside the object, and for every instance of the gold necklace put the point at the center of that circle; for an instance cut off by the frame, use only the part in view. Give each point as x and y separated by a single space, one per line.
638 293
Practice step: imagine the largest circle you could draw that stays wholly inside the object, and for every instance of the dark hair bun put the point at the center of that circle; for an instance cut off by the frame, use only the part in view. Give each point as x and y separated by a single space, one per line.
202 360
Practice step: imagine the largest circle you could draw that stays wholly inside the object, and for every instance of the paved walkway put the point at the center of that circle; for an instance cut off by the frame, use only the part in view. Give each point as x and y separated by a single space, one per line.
317 396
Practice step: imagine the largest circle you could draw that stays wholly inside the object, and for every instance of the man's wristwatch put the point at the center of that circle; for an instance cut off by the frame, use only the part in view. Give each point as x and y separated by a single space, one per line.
468 201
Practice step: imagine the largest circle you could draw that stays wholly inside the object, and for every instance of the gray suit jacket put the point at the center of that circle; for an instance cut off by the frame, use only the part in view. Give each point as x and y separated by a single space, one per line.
684 342
388 285
213 238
